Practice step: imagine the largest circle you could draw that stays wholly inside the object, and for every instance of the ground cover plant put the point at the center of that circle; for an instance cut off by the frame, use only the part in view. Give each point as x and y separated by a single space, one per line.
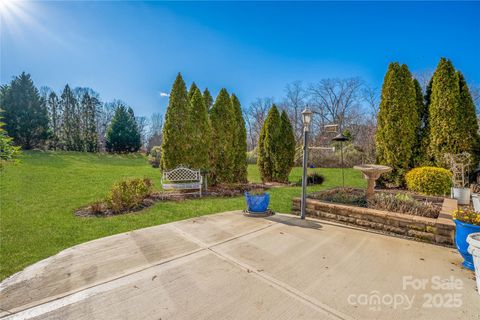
399 202
39 195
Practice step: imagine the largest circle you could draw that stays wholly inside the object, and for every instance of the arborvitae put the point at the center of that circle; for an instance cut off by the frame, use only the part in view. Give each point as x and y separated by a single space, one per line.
398 123
55 113
191 91
71 134
207 97
446 117
222 152
175 144
90 135
268 145
470 140
122 134
239 142
200 135
25 114
418 151
286 149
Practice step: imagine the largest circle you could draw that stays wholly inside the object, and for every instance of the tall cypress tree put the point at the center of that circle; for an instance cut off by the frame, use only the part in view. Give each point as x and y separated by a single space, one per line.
239 142
122 134
71 133
222 155
470 141
25 113
447 133
90 135
176 140
55 112
268 145
286 149
398 123
191 91
419 150
207 97
200 135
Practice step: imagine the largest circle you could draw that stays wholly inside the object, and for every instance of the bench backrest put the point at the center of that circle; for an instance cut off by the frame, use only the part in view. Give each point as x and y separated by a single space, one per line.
182 173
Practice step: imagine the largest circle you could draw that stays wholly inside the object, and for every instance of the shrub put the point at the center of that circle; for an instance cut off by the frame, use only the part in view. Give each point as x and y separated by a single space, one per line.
155 156
128 194
314 178
467 216
429 180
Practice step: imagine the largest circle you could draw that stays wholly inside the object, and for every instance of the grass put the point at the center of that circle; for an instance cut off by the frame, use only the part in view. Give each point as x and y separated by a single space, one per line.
39 195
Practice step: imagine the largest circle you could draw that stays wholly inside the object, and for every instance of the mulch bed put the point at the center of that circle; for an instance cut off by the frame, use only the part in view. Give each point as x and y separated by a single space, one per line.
100 209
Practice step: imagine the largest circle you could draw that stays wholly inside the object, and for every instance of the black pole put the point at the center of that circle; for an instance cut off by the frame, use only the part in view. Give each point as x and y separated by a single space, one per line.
304 176
341 153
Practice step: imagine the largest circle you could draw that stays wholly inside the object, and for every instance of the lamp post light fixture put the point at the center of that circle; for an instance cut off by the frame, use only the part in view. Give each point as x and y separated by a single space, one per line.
307 119
341 138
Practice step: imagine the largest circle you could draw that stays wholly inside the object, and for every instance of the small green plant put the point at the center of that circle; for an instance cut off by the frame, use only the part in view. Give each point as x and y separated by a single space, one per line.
467 215
128 194
155 156
429 180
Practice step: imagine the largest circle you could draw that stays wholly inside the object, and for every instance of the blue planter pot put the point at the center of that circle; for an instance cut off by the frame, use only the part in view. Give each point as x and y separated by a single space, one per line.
461 233
257 203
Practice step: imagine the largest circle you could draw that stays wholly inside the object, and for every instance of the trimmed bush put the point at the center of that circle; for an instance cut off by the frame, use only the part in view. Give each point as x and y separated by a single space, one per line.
429 180
128 194
155 156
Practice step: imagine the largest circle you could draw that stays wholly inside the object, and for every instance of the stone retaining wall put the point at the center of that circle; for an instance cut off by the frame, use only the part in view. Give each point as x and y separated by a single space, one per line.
438 231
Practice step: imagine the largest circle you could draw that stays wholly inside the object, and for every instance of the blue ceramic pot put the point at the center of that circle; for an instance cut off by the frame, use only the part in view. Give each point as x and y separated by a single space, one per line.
257 203
461 233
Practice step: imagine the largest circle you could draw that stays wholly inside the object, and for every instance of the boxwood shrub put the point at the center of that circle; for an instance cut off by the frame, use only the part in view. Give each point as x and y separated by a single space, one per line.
429 180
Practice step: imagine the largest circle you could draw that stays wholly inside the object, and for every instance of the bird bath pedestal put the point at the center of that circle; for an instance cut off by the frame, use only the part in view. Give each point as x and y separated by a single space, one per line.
371 172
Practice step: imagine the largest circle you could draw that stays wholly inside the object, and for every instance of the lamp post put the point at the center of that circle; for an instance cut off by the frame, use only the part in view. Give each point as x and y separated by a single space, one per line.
307 118
341 138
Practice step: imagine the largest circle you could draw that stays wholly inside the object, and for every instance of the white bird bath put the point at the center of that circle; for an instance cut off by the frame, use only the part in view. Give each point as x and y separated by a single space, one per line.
371 172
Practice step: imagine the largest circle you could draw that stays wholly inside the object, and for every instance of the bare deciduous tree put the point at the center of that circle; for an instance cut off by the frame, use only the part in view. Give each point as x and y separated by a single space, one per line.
335 101
255 116
294 103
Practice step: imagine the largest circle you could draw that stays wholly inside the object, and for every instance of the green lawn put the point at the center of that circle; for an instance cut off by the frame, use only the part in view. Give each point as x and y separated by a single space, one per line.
39 195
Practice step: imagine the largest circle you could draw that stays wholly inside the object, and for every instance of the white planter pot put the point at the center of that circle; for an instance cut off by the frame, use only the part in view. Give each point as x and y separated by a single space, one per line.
462 195
473 240
476 202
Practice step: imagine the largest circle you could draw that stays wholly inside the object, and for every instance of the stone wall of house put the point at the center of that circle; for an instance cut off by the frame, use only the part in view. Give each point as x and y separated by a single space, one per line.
438 231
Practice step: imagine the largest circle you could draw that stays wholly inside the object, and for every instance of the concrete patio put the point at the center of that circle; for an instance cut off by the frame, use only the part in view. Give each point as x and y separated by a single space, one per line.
227 266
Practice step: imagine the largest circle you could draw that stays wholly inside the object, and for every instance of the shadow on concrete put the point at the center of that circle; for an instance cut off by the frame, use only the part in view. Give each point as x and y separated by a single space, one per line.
295 222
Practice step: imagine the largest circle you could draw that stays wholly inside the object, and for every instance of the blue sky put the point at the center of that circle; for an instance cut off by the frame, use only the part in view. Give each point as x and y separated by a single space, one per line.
133 50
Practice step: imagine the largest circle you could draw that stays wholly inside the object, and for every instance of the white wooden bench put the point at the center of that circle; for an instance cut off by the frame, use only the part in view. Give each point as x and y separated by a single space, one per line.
182 178
476 202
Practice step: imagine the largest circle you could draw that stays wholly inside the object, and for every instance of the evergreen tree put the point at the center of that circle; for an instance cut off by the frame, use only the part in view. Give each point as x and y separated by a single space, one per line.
286 149
451 114
419 150
176 140
8 152
470 141
90 135
191 91
239 142
398 123
200 133
55 113
71 133
122 134
25 113
207 97
268 145
222 155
